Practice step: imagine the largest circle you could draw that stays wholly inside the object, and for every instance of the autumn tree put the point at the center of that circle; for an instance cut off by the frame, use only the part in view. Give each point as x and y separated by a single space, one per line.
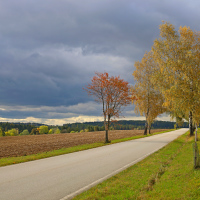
24 132
178 56
43 129
1 133
12 132
149 100
113 93
35 131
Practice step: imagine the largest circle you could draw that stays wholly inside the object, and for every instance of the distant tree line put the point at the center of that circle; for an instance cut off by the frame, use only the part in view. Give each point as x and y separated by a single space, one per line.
14 129
120 125
5 126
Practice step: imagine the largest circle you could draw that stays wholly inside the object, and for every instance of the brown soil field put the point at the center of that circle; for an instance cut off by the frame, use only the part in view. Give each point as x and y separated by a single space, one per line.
11 146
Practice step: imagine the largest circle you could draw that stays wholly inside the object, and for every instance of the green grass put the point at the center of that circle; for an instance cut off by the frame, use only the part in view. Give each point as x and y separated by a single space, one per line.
166 174
15 160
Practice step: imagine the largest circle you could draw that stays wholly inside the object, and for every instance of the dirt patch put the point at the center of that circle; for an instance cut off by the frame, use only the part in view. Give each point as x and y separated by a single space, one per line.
32 144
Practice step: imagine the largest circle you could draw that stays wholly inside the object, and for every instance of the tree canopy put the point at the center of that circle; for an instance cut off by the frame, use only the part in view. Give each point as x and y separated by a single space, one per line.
177 54
149 101
168 76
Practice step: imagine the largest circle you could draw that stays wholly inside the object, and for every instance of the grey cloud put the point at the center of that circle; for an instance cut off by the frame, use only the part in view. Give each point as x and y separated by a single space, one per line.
105 25
50 112
51 49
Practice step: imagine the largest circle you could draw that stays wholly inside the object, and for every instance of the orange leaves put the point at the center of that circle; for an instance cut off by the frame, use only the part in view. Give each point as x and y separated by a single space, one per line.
112 92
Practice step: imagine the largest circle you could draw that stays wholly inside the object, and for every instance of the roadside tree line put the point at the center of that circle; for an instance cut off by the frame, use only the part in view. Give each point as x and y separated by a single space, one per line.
166 80
167 77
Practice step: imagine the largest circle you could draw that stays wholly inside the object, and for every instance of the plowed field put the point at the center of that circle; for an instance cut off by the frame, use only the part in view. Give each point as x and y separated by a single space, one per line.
32 144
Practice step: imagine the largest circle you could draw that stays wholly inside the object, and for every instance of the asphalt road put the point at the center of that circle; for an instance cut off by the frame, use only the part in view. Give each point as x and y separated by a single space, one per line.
63 177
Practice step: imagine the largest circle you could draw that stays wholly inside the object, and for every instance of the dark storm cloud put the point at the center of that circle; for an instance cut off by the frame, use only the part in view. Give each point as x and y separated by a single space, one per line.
96 26
51 49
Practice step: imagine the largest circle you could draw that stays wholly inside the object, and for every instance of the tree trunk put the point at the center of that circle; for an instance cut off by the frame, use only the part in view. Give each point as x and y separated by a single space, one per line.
107 124
146 127
146 123
106 128
149 128
196 139
106 137
191 124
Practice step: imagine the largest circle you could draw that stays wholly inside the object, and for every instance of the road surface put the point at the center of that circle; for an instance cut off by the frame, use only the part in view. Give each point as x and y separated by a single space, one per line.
65 176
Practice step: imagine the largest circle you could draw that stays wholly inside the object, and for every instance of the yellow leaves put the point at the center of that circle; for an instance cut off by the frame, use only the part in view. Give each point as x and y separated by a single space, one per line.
178 56
167 29
186 33
149 100
173 68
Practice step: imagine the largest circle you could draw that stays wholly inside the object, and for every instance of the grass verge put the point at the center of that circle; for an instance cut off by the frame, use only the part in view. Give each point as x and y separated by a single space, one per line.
166 174
20 159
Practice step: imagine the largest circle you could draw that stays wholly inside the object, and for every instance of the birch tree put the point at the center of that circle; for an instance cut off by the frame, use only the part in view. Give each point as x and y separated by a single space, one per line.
178 56
149 100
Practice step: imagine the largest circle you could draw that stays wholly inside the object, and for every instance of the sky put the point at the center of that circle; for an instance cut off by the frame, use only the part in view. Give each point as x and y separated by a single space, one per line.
51 49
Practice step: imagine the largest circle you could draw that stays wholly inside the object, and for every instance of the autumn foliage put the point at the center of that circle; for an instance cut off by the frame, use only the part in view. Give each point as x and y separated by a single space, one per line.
149 100
112 92
168 76
177 54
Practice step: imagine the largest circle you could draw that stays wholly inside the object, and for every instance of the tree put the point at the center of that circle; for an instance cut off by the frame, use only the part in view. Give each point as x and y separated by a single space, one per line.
1 133
35 131
43 129
12 132
149 100
24 132
54 131
64 128
178 72
96 128
113 93
51 131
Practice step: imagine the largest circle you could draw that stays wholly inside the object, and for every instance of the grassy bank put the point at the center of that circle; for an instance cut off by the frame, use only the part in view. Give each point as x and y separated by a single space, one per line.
166 174
15 160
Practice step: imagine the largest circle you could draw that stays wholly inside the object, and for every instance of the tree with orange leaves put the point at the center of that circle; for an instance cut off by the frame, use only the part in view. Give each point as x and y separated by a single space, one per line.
113 93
